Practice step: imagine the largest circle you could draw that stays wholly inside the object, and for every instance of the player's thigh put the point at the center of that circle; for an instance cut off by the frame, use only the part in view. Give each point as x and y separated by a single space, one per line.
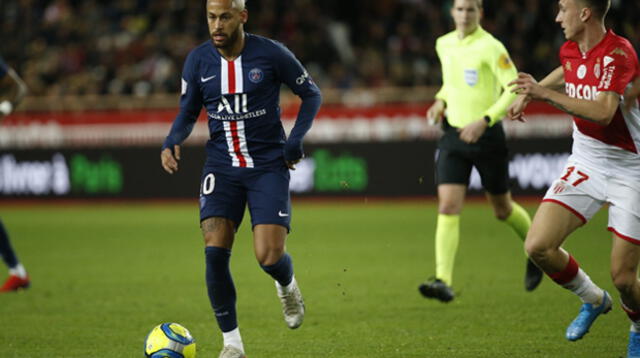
222 195
268 197
551 225
569 203
625 256
452 167
493 167
579 190
218 232
624 211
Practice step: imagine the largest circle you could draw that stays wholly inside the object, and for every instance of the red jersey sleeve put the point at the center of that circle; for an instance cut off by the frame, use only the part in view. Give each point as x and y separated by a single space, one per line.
620 66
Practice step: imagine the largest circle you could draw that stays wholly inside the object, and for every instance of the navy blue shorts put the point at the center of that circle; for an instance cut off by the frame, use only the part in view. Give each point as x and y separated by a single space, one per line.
225 193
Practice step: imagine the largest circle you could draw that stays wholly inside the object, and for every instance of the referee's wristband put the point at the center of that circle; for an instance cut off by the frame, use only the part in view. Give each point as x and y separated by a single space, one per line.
6 107
487 119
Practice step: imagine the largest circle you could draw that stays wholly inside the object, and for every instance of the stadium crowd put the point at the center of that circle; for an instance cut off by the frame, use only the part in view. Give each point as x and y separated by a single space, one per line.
64 47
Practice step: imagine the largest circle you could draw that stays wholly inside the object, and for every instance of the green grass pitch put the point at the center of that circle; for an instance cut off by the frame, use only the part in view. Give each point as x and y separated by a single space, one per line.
104 275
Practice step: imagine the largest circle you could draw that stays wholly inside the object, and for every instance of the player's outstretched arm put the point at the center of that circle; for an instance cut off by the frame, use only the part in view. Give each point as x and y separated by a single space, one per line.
169 159
600 111
553 81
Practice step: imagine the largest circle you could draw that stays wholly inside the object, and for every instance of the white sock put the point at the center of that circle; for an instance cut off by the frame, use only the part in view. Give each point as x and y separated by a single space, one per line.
582 286
233 338
19 271
283 290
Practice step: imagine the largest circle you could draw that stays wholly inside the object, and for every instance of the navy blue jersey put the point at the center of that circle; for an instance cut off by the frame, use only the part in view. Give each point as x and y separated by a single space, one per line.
3 68
242 101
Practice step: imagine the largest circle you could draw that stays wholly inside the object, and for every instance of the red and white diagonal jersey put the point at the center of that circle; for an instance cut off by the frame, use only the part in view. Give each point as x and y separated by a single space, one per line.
608 67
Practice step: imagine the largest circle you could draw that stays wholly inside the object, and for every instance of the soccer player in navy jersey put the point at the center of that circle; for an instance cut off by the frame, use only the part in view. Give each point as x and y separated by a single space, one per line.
12 90
236 77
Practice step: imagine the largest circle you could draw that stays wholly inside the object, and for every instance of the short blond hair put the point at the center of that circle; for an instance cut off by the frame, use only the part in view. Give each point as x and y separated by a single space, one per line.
478 2
240 4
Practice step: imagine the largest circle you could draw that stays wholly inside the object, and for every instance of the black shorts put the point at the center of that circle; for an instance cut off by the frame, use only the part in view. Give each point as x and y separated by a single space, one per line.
489 155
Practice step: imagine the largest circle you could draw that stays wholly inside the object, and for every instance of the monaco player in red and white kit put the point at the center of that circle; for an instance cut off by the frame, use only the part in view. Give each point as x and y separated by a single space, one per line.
597 68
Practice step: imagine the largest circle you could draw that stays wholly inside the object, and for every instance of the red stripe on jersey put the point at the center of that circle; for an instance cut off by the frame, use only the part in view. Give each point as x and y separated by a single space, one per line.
236 140
616 133
232 76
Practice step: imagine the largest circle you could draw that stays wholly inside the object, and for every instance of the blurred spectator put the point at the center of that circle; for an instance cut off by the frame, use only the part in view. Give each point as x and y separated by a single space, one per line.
137 46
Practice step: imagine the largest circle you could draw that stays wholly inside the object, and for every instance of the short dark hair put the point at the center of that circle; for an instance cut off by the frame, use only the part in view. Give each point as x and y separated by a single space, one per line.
600 7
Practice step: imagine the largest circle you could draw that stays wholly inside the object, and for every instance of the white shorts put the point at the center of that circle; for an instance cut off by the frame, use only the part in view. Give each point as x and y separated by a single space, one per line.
584 192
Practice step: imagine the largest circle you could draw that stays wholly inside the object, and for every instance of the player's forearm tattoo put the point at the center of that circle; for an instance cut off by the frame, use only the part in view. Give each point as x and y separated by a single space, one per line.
568 111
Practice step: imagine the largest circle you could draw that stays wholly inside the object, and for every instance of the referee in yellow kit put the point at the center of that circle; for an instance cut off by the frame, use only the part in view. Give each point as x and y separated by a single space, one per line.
476 69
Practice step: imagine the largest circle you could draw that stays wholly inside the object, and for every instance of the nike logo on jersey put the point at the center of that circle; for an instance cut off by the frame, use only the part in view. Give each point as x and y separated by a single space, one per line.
205 79
282 215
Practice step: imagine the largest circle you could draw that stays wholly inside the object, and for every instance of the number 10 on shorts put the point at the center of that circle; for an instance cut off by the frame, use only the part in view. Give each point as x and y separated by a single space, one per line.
208 184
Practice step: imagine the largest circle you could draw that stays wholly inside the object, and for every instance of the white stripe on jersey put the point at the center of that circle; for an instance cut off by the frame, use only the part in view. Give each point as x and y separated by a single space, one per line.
238 70
237 137
235 161
243 144
224 76
235 132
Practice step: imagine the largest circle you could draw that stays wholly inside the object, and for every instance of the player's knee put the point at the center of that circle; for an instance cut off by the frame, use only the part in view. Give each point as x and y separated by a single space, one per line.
536 249
269 255
624 279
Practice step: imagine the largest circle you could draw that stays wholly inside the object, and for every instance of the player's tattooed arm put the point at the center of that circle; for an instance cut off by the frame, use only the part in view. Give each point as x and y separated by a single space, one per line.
600 111
528 88
568 111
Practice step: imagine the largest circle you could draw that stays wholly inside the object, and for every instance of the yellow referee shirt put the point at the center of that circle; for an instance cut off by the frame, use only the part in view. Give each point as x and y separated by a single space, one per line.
475 74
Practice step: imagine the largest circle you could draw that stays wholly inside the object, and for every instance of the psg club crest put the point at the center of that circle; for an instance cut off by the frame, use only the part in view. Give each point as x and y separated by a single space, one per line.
256 75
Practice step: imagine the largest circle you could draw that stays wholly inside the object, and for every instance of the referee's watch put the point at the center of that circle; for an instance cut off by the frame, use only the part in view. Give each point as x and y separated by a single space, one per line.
487 119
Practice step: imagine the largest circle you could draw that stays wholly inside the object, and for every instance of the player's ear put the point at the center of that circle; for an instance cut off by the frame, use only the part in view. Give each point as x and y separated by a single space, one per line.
244 15
585 14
